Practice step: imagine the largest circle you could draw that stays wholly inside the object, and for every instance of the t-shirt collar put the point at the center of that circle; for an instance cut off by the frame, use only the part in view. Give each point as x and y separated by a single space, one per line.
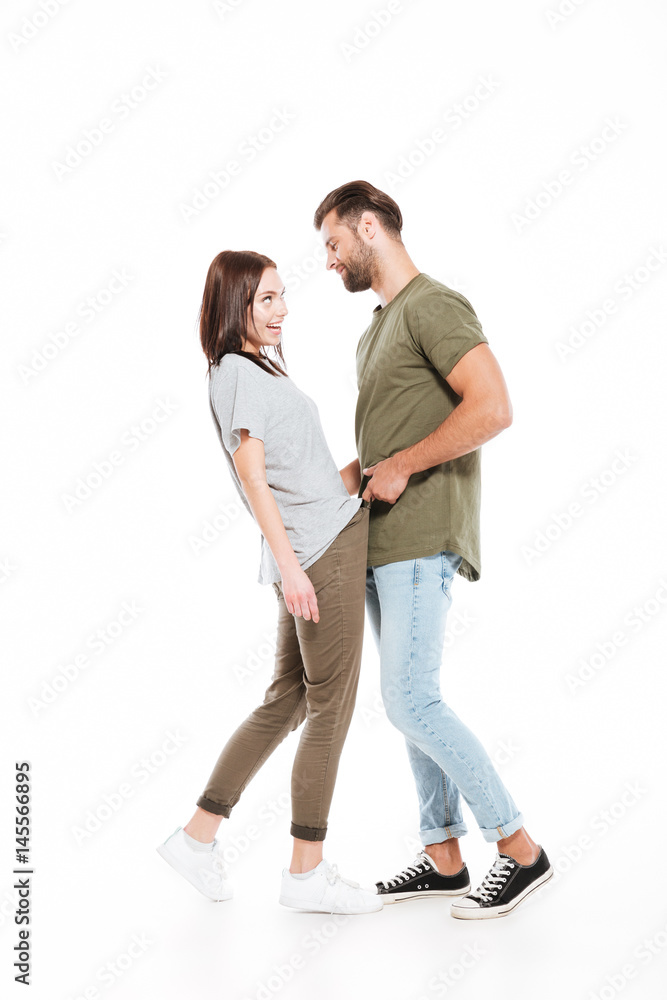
381 310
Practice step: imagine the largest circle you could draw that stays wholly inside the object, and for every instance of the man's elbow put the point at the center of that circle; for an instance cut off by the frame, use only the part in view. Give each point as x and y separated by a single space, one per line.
498 417
505 416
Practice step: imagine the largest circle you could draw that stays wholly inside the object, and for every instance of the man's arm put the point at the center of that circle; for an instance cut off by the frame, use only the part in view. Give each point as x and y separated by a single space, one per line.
484 411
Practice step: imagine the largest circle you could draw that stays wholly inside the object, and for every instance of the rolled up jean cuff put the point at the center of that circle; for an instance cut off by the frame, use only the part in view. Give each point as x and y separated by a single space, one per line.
213 807
443 833
499 832
308 832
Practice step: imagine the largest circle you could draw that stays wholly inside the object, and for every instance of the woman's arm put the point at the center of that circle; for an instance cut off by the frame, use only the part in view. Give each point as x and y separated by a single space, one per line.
351 476
250 465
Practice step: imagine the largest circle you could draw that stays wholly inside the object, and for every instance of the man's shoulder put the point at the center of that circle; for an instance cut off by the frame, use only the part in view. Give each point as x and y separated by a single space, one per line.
430 294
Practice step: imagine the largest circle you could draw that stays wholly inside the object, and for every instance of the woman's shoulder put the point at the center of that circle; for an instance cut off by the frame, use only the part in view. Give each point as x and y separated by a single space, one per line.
231 366
235 373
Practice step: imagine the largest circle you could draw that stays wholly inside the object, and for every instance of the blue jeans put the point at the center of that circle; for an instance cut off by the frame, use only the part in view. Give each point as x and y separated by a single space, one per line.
407 604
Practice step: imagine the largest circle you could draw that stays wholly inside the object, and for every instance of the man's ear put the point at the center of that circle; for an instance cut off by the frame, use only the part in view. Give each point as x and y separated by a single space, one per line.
367 225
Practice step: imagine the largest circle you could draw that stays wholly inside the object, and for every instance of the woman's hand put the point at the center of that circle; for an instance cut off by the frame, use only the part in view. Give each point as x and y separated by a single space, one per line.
299 594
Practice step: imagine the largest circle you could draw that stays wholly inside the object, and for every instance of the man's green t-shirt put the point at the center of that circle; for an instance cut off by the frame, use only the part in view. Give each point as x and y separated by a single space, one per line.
403 360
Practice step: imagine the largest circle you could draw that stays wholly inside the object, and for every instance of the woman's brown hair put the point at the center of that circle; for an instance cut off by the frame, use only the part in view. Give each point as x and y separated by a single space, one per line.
231 285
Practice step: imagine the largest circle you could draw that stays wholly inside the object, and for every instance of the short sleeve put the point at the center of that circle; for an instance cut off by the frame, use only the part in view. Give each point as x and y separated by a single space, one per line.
445 328
238 401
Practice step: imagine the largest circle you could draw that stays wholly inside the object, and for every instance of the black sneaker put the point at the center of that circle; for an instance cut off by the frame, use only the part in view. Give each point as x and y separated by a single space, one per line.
422 878
506 885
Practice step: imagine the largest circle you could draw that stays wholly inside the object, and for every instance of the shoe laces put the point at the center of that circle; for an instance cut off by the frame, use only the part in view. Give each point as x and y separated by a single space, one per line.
334 877
416 868
492 882
217 863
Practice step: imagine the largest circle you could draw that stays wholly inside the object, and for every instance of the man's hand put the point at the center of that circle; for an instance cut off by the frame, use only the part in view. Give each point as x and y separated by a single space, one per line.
484 411
388 479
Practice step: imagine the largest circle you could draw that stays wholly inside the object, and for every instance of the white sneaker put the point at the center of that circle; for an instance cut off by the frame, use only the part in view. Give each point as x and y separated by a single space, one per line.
326 891
205 870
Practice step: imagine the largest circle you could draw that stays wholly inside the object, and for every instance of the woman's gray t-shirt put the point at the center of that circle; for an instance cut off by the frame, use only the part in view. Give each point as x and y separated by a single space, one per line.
312 499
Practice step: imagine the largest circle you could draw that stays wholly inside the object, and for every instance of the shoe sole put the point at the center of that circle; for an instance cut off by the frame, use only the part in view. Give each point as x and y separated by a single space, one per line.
399 897
487 912
164 852
296 904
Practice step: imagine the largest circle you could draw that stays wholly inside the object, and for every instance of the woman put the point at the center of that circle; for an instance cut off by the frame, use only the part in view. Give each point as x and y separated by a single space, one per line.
314 542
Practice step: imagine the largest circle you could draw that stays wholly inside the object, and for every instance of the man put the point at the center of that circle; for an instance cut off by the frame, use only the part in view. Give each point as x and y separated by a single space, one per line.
430 394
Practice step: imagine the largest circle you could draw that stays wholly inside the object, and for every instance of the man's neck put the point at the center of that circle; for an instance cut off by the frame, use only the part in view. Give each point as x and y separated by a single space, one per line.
396 271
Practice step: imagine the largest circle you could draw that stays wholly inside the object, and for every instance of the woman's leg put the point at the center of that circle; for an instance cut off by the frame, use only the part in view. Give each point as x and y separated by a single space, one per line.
283 710
203 826
306 855
331 655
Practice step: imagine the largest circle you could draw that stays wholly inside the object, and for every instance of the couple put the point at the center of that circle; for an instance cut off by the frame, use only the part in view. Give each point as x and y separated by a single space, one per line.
430 394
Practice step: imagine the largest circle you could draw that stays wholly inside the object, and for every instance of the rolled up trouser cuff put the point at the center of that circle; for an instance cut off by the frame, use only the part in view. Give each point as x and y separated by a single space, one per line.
308 832
213 807
443 833
499 832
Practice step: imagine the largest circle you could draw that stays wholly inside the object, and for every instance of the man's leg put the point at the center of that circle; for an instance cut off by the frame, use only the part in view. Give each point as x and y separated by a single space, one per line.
441 819
414 596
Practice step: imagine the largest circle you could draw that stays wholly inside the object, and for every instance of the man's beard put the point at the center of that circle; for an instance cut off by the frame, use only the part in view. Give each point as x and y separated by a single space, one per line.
360 268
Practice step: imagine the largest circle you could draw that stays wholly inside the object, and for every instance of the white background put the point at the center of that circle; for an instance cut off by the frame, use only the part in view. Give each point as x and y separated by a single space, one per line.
162 532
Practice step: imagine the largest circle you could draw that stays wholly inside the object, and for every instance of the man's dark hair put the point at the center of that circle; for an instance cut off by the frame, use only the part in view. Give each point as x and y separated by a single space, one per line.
353 199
